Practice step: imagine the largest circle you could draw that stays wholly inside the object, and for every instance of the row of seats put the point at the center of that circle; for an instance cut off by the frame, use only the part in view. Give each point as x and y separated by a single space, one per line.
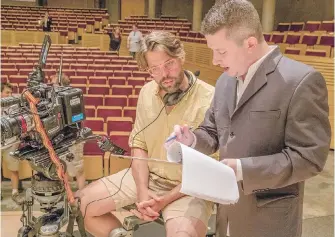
71 72
11 8
112 89
309 44
26 18
309 39
69 63
146 18
310 26
91 80
309 52
179 27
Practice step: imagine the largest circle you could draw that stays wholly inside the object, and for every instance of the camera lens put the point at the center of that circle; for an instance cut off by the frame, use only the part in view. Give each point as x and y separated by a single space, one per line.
14 126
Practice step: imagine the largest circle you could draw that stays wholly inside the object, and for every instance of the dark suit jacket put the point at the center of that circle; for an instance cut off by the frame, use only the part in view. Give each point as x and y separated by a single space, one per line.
281 132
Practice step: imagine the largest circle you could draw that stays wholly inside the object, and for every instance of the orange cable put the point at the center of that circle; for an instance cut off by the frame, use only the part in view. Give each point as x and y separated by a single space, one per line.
46 142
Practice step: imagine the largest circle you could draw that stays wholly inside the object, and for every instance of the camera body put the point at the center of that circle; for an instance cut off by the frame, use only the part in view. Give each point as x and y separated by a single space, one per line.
60 110
46 119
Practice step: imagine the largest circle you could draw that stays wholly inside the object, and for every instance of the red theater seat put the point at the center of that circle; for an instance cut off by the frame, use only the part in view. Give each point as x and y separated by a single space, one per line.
115 100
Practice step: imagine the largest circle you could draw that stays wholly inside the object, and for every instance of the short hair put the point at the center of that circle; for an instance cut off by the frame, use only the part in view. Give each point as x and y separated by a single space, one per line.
65 80
159 41
6 84
238 17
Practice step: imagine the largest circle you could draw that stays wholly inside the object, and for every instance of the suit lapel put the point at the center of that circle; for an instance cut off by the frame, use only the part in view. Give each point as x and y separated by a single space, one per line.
231 100
260 77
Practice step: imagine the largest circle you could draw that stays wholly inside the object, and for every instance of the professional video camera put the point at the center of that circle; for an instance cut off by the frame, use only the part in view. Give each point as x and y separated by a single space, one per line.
46 120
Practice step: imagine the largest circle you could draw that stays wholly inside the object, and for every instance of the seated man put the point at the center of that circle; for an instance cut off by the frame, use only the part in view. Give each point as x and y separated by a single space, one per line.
12 163
75 168
175 95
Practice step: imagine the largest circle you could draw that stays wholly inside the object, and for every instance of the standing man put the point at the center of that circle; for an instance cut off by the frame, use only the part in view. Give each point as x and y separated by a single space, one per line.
134 40
12 163
269 121
174 95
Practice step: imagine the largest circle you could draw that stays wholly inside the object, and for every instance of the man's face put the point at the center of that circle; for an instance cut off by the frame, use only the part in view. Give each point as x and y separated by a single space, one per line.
6 92
165 70
233 58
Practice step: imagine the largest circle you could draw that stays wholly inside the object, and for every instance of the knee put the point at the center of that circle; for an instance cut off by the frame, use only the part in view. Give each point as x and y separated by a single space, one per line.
85 200
185 227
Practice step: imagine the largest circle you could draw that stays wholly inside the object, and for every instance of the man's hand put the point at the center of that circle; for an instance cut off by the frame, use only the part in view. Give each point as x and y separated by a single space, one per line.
146 208
182 134
232 163
155 203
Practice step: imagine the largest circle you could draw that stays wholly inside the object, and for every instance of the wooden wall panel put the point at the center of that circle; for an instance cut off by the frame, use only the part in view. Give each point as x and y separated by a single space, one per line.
132 7
72 3
10 37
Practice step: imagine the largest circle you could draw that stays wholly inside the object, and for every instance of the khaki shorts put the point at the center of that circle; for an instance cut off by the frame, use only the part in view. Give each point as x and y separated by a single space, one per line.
76 166
12 163
184 207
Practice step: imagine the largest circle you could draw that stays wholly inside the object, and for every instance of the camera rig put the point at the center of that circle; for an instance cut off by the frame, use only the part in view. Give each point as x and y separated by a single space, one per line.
46 119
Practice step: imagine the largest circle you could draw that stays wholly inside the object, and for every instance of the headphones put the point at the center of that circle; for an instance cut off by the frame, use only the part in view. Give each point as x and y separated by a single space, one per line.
170 99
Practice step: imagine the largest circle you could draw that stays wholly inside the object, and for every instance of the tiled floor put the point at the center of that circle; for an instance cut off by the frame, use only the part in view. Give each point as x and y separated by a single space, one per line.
318 206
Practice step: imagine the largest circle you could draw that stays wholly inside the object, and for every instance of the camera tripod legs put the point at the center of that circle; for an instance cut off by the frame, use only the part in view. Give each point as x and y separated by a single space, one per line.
75 214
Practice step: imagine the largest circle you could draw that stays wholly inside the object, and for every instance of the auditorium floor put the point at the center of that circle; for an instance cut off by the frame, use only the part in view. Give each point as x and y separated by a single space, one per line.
318 206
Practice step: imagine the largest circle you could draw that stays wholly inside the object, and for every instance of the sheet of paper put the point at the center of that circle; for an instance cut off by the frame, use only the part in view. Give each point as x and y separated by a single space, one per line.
204 177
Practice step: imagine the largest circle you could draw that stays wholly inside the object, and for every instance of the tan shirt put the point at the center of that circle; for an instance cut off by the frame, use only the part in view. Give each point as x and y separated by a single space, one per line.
190 110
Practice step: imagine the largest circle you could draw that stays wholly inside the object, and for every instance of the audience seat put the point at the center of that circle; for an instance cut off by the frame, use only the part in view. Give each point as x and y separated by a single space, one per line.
120 124
136 81
9 71
137 90
113 67
283 27
104 73
120 139
78 80
95 124
122 90
130 112
115 100
94 100
316 52
98 80
291 50
83 87
90 111
4 78
98 89
312 26
116 81
18 79
109 111
96 161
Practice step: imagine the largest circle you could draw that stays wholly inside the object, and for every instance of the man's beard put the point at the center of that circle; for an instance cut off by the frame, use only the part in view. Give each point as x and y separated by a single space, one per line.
175 87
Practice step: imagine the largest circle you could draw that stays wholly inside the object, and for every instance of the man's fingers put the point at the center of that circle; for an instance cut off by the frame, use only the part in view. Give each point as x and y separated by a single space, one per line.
137 213
177 130
142 216
151 212
145 204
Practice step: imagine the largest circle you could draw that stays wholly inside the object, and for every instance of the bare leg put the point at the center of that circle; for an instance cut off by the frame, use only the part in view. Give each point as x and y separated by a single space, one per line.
14 177
185 227
80 177
98 219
